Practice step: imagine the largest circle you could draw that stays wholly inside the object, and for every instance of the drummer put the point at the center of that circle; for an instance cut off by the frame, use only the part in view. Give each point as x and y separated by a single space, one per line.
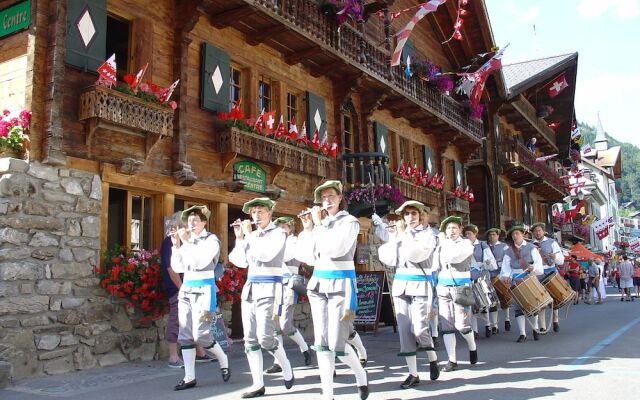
483 259
520 259
453 262
552 258
498 249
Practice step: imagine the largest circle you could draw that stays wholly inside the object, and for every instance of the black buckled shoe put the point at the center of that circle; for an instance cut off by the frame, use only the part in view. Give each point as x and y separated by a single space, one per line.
473 356
521 339
307 357
434 370
289 383
556 327
487 331
542 331
255 393
436 342
495 330
410 382
182 385
274 369
451 366
364 392
475 335
226 374
536 335
507 326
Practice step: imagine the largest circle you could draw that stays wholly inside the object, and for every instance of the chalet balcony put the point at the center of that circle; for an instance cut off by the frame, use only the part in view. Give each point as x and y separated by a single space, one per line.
422 194
457 205
575 231
521 168
299 30
233 142
361 169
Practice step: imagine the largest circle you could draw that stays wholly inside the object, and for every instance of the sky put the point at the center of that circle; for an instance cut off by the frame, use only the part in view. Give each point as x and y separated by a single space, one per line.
606 35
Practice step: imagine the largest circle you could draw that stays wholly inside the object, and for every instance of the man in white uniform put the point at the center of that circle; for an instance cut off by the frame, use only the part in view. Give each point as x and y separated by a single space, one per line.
552 259
262 251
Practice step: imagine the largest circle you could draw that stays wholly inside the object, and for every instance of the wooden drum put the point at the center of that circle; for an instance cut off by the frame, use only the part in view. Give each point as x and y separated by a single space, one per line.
502 290
559 289
530 295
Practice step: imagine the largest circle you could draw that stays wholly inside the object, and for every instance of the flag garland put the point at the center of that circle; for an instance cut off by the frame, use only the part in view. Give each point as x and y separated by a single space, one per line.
472 84
404 33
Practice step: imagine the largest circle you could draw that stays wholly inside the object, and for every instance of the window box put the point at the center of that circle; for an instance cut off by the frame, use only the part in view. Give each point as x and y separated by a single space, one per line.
456 204
422 194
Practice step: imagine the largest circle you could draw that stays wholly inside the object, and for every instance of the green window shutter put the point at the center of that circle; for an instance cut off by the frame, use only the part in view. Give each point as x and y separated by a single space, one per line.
501 197
382 138
409 49
316 116
458 174
429 163
216 73
86 39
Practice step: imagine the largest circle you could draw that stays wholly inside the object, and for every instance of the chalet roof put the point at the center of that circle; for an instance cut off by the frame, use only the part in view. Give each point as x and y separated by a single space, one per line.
609 157
522 75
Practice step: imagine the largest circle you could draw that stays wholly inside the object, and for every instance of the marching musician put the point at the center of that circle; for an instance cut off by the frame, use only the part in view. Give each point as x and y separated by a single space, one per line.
329 244
430 223
521 258
195 254
410 253
498 249
552 258
289 269
483 260
452 260
262 251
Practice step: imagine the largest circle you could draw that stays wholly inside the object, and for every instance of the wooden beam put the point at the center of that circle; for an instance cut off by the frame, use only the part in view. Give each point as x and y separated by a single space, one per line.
229 17
263 35
298 56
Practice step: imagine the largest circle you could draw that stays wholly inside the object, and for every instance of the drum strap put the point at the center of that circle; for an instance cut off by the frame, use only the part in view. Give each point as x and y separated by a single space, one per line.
516 251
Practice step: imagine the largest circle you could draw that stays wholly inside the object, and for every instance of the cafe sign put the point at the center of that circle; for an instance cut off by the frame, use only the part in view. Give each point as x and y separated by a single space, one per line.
15 18
251 174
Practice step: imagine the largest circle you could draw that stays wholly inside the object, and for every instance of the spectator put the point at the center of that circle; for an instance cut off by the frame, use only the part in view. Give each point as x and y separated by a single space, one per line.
583 281
636 279
531 145
593 281
616 276
626 278
573 270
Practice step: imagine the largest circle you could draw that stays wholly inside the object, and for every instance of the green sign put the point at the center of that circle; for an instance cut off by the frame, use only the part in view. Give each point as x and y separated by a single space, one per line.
251 174
15 18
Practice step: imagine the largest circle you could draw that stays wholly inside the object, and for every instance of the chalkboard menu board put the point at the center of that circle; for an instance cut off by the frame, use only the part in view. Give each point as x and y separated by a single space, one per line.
219 333
370 285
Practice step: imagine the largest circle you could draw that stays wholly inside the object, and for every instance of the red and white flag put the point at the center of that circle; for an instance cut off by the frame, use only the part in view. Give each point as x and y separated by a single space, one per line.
558 85
315 142
404 33
280 130
293 129
333 151
587 149
259 125
107 72
601 228
302 136
472 84
165 95
324 144
138 78
269 121
545 158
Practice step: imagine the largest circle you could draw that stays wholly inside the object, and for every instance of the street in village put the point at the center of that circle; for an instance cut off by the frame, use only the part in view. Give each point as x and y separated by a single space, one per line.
596 355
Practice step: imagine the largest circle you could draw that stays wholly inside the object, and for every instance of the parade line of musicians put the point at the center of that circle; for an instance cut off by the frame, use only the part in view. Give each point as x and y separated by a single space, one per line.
444 275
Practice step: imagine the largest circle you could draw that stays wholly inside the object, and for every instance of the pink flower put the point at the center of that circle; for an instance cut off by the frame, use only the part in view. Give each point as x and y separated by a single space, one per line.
6 112
173 105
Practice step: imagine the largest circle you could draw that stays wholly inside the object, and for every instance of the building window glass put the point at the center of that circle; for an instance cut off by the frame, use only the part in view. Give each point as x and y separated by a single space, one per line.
347 136
264 95
292 106
130 222
118 38
235 86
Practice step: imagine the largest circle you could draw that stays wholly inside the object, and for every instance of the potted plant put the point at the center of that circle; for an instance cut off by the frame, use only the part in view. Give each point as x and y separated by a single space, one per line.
364 200
13 132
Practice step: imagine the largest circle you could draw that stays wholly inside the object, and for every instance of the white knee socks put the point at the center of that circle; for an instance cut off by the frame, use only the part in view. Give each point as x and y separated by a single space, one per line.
283 361
542 314
521 325
471 341
351 359
299 340
450 345
189 359
412 364
255 365
357 343
217 352
326 361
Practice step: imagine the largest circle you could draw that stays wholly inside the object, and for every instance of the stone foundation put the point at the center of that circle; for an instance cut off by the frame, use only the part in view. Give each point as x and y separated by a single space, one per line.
54 317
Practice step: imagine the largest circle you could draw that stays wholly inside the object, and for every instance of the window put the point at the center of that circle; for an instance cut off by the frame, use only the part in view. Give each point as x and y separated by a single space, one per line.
292 106
130 222
417 156
118 37
264 94
405 157
235 86
347 135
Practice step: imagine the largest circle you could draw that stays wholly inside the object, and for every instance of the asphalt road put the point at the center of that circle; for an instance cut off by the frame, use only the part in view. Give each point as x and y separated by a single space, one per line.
596 355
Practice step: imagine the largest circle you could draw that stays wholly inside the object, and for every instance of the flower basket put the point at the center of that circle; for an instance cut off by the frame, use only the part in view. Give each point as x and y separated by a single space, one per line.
7 152
362 209
13 132
362 199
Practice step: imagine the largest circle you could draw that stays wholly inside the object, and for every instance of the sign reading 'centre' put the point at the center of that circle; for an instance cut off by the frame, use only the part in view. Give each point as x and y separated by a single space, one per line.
15 18
251 174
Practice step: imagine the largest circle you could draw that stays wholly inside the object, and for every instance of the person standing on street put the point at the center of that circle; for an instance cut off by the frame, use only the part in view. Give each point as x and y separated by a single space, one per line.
573 270
626 277
195 254
262 251
409 253
329 244
636 279
593 281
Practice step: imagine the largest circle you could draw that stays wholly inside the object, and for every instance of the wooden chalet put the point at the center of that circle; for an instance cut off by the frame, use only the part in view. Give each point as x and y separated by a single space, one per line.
520 186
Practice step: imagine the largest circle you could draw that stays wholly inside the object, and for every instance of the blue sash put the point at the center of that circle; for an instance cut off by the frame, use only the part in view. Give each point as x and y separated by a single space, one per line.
341 274
205 282
413 277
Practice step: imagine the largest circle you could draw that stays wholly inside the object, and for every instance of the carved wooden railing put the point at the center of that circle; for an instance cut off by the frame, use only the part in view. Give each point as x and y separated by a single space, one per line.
514 152
102 107
456 204
416 192
529 112
304 17
361 169
232 142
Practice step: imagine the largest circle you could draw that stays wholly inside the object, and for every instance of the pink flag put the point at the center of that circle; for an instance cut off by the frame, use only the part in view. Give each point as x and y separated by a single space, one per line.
404 33
107 72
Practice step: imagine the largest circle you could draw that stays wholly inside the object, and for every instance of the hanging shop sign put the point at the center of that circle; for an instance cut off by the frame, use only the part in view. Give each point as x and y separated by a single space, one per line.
251 174
15 18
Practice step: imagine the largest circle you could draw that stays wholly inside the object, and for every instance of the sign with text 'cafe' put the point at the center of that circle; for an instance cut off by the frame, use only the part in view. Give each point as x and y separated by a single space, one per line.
251 174
15 18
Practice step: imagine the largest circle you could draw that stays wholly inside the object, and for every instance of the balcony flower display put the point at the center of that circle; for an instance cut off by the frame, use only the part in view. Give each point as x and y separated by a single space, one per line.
342 10
360 199
13 131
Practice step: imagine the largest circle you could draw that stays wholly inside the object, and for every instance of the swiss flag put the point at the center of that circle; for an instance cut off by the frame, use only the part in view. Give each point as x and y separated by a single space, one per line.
269 120
558 85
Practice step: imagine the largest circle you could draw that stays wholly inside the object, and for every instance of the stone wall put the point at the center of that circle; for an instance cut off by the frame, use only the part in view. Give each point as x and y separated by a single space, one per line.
54 317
